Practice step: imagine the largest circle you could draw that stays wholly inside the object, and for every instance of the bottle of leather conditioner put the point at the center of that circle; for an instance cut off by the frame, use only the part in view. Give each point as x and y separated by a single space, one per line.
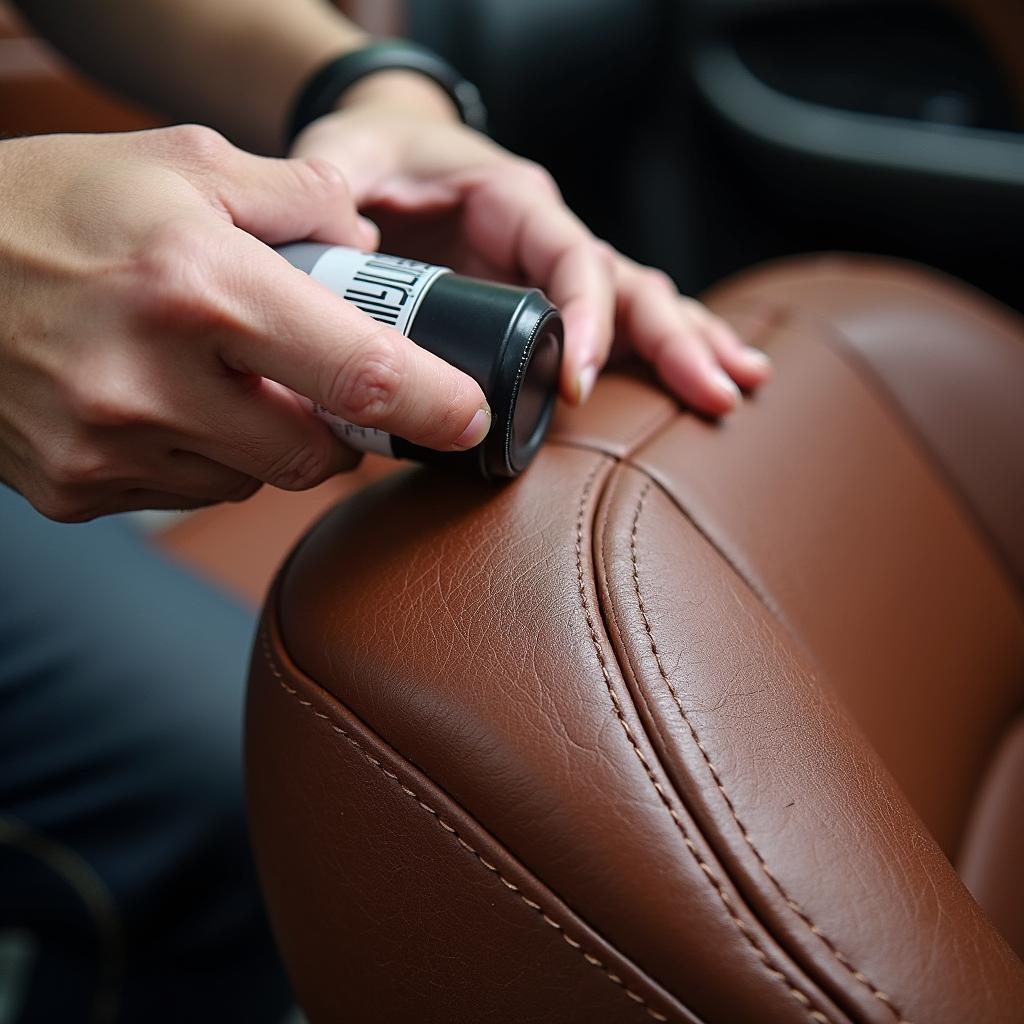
507 339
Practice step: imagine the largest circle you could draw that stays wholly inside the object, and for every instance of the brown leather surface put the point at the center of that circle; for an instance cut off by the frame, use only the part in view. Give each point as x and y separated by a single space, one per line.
627 412
592 820
384 897
947 361
699 683
818 495
993 853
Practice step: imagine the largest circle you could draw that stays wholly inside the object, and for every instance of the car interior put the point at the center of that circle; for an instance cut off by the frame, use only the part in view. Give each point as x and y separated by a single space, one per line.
693 721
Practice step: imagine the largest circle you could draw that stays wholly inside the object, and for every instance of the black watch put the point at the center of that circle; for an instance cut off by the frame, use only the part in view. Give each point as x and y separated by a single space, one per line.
326 85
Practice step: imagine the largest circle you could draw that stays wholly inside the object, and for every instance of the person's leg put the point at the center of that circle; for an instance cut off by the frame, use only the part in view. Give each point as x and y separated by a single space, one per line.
127 891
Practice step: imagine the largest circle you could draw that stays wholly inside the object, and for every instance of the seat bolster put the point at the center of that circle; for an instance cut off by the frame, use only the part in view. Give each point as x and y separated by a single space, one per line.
461 625
793 801
393 904
582 747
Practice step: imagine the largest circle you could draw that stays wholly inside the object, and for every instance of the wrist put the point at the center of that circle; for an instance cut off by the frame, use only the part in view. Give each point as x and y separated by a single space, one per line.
400 91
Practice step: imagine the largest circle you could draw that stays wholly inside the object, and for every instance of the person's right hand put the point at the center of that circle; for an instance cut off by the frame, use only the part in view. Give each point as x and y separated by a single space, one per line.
153 351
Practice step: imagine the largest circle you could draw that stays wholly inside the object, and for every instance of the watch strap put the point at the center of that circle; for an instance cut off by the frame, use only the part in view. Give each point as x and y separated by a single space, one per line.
324 87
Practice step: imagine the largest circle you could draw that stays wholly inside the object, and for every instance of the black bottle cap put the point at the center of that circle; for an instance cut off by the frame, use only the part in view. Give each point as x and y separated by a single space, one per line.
510 341
506 338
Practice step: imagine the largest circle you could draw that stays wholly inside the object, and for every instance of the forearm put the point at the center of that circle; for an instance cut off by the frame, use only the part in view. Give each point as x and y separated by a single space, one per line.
234 64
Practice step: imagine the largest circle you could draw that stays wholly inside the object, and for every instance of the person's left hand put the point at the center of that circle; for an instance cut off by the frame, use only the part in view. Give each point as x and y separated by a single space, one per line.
446 194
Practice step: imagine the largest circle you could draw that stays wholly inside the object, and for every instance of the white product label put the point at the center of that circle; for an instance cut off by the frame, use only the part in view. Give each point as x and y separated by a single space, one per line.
389 289
363 439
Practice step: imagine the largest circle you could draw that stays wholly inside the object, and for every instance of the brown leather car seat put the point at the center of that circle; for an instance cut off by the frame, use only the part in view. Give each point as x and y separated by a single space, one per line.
692 722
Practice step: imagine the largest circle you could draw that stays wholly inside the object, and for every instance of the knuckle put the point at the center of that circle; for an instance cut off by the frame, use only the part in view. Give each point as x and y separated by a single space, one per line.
608 256
64 504
173 286
659 280
366 387
538 175
321 178
199 145
170 249
299 469
96 404
76 464
700 321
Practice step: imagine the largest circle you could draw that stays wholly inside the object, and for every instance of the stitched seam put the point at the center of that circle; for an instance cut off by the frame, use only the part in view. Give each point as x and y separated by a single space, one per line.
651 425
452 831
812 1012
838 954
645 433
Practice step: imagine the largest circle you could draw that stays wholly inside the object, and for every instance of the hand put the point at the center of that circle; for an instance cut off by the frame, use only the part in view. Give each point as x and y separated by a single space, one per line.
446 194
155 352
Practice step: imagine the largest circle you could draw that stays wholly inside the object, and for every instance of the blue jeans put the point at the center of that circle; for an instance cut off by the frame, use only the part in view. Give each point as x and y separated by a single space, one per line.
127 890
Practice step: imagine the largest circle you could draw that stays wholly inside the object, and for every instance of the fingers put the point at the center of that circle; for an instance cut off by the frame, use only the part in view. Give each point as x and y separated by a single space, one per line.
275 200
193 476
587 302
671 341
181 479
747 366
188 482
261 430
287 200
517 220
293 330
696 354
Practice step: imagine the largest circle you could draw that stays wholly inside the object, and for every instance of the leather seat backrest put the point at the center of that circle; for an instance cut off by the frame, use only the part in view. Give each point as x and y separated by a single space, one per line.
686 723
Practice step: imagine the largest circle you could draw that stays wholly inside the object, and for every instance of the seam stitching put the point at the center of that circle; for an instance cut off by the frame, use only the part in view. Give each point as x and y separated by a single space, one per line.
650 426
451 830
801 997
645 433
793 905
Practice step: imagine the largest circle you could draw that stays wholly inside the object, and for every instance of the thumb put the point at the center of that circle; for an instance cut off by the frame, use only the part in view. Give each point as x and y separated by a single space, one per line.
291 200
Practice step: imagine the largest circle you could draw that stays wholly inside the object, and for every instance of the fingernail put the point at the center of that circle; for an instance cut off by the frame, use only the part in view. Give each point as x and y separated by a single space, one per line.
757 359
726 386
476 431
585 381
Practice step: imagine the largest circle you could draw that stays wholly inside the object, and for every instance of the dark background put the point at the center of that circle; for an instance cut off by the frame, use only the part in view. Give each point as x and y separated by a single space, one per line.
708 135
704 136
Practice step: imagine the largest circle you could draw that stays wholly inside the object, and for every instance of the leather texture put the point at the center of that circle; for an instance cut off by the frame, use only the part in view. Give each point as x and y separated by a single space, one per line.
993 851
690 721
